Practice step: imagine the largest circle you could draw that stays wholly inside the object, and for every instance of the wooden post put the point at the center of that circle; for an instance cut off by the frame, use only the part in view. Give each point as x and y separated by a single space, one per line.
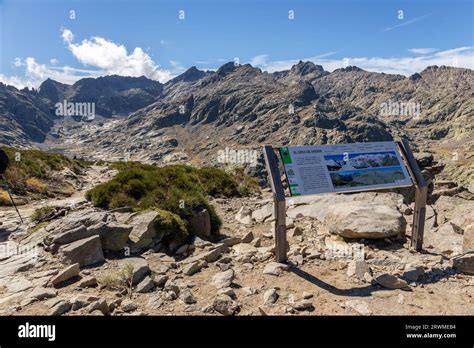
420 196
271 162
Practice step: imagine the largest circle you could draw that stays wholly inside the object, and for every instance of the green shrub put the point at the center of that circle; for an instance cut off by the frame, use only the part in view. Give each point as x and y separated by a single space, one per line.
178 189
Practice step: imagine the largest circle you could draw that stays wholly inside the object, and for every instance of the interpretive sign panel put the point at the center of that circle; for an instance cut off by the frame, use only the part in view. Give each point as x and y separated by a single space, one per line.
344 167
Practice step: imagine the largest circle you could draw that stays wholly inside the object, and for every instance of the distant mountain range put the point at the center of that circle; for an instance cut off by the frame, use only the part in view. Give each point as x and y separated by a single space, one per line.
196 113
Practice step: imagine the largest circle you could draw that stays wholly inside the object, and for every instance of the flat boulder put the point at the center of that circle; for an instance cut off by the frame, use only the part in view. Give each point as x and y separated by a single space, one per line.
113 236
66 274
85 252
365 220
143 229
72 235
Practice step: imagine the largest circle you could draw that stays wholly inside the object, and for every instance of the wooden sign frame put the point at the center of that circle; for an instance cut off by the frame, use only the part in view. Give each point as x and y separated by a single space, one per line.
279 199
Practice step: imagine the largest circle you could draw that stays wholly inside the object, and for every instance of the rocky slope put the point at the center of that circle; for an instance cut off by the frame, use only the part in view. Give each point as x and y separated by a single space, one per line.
24 116
79 264
27 116
243 107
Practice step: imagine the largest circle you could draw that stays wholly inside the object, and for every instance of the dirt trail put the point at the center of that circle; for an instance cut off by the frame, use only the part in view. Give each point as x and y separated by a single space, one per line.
11 223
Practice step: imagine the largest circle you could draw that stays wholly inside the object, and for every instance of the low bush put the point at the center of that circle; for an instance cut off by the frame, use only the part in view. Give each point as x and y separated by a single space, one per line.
178 189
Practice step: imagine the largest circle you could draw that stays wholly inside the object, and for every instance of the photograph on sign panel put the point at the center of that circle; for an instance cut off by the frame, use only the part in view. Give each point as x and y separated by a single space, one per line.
367 177
349 161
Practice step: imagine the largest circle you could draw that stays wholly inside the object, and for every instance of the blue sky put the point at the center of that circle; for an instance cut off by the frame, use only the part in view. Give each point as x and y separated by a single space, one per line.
144 37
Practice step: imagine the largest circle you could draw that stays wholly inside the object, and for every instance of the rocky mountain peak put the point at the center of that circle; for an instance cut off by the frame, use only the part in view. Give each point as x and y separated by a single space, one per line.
305 68
226 69
349 69
190 75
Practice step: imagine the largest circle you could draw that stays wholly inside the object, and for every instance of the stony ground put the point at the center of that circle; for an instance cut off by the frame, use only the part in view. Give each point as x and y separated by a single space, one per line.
326 274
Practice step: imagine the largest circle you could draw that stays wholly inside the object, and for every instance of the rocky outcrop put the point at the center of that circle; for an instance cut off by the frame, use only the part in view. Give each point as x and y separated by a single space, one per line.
85 252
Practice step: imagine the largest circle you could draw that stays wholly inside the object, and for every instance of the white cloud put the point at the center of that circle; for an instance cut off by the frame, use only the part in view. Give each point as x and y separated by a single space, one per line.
103 56
67 35
260 60
113 58
422 50
462 57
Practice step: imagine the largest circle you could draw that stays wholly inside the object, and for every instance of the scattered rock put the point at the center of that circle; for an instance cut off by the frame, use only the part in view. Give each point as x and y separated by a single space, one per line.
66 274
412 273
128 305
302 305
231 241
41 293
146 285
192 268
227 291
161 280
223 279
225 305
248 291
60 308
359 306
270 296
297 231
275 268
464 263
99 305
244 249
358 268
264 213
391 282
87 282
244 215
307 295
82 300
187 297
248 237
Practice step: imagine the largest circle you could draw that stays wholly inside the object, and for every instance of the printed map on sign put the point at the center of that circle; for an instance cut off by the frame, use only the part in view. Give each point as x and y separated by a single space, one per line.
343 167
